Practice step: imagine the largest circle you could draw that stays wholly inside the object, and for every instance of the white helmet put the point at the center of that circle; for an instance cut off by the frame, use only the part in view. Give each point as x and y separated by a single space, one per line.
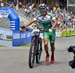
42 8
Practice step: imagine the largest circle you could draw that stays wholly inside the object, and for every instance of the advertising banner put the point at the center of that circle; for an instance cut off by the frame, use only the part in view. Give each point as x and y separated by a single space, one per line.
21 38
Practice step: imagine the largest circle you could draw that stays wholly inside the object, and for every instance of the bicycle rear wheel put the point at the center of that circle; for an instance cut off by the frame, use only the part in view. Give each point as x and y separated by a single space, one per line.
32 54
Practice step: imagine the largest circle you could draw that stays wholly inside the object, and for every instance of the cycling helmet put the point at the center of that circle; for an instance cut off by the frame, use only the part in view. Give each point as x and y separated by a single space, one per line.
42 8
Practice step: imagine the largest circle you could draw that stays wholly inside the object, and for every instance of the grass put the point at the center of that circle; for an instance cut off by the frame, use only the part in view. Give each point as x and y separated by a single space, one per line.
2 46
26 45
8 39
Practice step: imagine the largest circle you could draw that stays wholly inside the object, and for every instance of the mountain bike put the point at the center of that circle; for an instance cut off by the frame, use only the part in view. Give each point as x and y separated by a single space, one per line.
35 48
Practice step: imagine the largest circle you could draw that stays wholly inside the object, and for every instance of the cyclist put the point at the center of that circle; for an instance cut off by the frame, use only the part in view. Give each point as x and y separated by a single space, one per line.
48 22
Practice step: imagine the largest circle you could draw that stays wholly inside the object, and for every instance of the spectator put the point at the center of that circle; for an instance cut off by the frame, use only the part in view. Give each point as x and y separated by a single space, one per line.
11 5
2 4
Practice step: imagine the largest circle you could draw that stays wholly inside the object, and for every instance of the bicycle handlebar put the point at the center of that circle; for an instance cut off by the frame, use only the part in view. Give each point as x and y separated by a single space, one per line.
40 31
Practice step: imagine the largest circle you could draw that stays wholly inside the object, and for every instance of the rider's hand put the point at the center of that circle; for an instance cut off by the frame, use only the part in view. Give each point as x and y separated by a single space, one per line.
22 28
50 30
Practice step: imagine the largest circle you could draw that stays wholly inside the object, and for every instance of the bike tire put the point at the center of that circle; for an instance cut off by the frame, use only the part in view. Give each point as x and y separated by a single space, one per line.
39 50
32 54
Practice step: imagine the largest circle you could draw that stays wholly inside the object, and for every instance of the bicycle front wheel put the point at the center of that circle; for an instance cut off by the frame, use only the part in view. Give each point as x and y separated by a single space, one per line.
39 50
32 54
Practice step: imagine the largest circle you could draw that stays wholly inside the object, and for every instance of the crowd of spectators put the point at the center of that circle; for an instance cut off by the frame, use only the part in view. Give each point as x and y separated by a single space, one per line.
65 19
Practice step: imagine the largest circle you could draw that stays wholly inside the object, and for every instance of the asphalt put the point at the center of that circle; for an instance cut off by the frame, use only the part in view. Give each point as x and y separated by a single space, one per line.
15 59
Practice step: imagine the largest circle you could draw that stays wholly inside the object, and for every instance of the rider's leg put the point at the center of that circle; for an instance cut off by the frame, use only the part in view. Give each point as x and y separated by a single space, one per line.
46 37
46 49
52 44
52 52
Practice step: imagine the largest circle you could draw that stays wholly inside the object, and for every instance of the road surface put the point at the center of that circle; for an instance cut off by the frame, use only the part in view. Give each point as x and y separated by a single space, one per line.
15 59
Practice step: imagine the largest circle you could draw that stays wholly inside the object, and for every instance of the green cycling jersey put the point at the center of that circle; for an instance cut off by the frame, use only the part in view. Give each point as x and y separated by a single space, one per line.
46 22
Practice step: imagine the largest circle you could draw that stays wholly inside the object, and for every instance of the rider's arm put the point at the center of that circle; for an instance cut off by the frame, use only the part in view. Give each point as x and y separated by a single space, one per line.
54 22
32 21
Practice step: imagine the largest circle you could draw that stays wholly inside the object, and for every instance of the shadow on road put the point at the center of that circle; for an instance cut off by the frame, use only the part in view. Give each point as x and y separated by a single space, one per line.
43 63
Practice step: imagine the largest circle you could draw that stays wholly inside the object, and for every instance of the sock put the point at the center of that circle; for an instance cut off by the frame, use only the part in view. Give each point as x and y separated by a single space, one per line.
52 55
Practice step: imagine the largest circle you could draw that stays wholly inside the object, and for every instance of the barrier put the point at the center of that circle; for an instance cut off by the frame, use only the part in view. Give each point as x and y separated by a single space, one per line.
21 38
58 33
18 38
68 33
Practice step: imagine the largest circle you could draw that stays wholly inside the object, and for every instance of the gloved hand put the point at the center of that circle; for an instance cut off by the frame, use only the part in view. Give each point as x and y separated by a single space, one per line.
50 30
22 28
